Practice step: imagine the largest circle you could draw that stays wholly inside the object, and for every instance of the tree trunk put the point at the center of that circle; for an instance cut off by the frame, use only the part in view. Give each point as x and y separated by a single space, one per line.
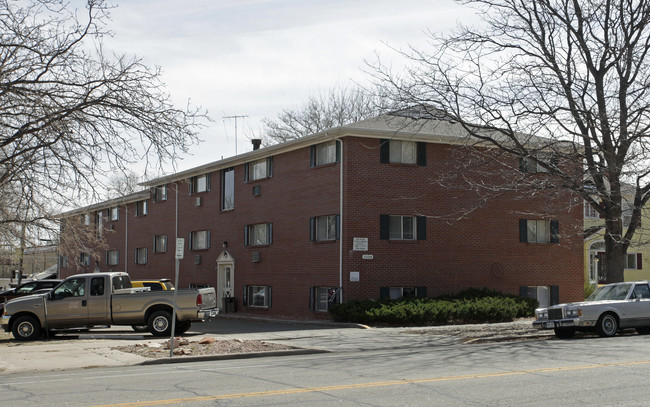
615 253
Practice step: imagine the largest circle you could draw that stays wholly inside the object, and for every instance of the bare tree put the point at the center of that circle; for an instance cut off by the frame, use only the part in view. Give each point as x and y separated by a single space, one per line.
341 106
70 112
549 82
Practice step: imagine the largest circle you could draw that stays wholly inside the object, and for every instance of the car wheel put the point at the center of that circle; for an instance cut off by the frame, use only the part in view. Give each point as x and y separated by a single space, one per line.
182 327
564 333
26 328
140 328
160 323
607 325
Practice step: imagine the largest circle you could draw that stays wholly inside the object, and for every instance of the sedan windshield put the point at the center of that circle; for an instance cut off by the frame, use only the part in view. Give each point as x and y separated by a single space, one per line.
610 292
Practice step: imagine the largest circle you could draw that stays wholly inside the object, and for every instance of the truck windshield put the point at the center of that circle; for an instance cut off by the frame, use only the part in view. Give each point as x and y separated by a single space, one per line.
610 292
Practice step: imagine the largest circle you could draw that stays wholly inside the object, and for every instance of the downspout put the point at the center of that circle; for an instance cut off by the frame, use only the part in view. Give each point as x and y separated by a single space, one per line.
126 239
341 224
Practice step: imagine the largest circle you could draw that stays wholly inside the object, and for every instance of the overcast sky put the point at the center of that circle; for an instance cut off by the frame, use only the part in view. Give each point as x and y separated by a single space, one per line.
256 57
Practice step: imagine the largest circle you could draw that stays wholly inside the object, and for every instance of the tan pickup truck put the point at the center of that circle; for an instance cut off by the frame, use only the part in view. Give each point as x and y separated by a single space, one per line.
105 299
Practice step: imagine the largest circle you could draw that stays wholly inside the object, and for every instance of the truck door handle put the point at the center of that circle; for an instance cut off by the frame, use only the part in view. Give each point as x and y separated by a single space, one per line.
83 303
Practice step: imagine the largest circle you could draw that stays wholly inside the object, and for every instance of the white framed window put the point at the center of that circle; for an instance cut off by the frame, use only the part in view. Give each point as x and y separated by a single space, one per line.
257 296
141 208
228 189
114 213
84 259
590 212
160 243
538 231
259 234
324 228
199 183
112 257
533 165
321 297
404 292
633 261
141 255
402 152
200 240
324 153
259 169
402 227
160 193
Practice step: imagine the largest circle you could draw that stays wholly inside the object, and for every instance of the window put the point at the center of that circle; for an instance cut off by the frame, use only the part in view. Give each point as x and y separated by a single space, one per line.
200 183
257 296
321 297
258 235
633 261
141 208
85 219
324 228
160 243
114 213
97 286
590 212
200 240
402 152
259 169
84 259
99 224
160 193
228 189
394 293
538 231
120 282
325 153
141 255
403 227
532 164
74 287
112 257
640 291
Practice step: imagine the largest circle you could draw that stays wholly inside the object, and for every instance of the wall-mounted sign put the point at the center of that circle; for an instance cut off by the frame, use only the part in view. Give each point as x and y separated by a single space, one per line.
367 257
180 247
354 276
360 244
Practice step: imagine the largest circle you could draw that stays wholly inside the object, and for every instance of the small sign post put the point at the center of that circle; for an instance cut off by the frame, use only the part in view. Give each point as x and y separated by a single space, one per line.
180 249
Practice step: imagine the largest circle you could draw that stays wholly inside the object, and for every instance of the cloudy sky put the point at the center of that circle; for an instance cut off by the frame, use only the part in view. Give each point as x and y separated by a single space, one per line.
256 57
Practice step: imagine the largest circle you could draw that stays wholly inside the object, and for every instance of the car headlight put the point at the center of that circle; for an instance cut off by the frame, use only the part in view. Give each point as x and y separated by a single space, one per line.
542 314
572 313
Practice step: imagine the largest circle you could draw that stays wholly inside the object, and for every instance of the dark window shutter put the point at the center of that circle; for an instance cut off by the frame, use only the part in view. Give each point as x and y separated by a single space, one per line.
154 195
384 151
312 293
312 156
207 181
245 296
246 172
384 226
208 238
639 261
189 241
338 150
312 229
522 165
523 291
523 230
384 293
421 154
338 227
246 236
555 231
270 230
422 292
269 164
555 294
268 290
422 227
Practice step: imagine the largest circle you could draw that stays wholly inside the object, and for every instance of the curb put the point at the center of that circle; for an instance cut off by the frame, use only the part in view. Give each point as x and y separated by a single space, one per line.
205 358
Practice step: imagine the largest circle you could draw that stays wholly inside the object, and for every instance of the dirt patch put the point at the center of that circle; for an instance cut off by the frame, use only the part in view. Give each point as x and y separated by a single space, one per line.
201 347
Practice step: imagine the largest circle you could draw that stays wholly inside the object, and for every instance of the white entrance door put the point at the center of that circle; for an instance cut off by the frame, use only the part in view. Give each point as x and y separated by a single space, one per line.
225 281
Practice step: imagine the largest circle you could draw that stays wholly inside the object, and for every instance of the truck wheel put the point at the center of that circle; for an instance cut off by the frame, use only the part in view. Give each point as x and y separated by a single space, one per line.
26 328
160 323
607 325
182 327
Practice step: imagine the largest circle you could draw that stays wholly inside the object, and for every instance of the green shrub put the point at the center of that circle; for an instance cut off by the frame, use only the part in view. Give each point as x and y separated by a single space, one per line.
469 306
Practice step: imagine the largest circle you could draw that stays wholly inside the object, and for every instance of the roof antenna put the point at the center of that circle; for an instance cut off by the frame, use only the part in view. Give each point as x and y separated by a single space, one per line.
235 117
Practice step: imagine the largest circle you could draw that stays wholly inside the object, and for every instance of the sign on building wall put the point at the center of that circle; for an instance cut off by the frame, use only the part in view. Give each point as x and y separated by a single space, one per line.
354 276
360 244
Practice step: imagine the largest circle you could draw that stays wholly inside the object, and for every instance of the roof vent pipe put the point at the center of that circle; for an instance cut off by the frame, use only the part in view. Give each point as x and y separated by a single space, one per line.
256 143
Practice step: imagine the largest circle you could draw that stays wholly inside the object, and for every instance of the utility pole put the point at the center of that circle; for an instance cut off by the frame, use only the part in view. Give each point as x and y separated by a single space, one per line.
235 118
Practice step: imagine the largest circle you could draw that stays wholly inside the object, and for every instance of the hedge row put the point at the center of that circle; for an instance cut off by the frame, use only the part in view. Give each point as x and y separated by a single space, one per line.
469 306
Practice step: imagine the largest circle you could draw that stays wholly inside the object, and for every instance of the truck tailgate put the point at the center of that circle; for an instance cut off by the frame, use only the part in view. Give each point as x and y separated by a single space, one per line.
209 297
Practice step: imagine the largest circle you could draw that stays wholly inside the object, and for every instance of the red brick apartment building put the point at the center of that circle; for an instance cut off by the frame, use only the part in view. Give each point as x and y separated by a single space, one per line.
351 213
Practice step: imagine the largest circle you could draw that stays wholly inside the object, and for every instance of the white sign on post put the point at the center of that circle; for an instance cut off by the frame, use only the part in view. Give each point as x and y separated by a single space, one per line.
180 248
